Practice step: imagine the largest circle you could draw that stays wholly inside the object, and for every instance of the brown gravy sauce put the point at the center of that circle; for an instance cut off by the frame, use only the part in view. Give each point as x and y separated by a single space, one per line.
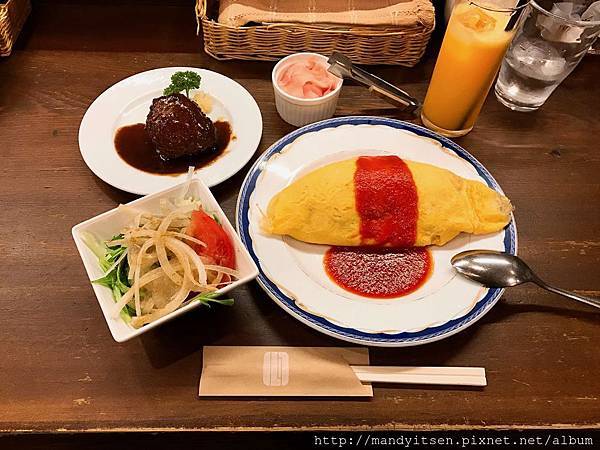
134 147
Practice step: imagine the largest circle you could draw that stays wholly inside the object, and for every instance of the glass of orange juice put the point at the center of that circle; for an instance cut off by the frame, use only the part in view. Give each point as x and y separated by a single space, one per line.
476 39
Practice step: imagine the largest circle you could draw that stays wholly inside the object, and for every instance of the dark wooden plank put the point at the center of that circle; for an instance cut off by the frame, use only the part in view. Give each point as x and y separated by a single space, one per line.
60 368
112 25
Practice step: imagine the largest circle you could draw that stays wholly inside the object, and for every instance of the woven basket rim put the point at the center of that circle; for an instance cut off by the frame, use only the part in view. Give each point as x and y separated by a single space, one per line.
285 26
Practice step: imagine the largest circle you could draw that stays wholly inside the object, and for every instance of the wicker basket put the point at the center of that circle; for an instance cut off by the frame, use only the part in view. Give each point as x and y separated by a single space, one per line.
12 17
364 45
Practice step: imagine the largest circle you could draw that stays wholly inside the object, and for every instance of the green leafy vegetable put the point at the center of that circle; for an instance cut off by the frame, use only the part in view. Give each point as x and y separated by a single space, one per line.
183 81
97 247
116 278
207 298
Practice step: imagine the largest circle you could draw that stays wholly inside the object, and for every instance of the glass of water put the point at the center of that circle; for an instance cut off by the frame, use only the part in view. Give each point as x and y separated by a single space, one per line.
544 51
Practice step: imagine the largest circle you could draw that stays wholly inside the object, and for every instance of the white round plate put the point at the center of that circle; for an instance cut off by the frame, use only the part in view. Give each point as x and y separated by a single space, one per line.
292 272
128 102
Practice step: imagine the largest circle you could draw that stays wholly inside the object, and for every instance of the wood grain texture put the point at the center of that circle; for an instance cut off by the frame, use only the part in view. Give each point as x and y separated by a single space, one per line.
61 370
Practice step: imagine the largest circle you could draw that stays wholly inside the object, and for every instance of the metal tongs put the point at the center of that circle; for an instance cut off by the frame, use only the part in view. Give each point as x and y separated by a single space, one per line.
341 66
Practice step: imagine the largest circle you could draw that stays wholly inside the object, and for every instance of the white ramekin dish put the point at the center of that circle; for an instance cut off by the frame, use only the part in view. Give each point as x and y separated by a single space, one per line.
302 111
110 223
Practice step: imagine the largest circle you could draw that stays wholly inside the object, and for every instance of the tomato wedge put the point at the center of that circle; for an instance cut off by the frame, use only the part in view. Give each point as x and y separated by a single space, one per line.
218 244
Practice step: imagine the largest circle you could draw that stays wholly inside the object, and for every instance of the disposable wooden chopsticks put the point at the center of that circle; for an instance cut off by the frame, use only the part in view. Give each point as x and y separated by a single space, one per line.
457 376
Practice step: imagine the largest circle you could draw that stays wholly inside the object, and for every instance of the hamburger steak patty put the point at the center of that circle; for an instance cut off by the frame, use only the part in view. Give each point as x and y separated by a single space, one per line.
178 127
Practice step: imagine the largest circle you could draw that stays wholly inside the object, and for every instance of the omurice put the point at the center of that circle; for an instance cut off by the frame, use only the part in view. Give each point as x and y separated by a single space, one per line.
384 201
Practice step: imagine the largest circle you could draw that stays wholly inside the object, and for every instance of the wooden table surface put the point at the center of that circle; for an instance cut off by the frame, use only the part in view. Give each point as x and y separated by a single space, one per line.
60 368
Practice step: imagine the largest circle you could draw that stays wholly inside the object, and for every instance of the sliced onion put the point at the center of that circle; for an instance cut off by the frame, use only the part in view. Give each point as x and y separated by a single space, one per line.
179 250
175 303
164 225
188 181
126 298
166 264
223 269
186 237
193 257
136 277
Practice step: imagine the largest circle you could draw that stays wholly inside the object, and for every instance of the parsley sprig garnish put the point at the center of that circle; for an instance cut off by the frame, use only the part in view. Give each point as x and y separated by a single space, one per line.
183 81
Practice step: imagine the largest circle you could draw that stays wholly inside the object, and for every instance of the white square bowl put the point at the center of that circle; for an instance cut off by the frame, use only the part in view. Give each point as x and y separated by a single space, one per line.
111 223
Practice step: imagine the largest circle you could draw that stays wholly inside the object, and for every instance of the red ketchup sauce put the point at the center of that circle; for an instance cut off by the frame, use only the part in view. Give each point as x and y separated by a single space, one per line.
378 272
387 266
386 201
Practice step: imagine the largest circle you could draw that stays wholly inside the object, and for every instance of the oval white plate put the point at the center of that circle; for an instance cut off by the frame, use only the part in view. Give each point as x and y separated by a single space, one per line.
128 101
292 272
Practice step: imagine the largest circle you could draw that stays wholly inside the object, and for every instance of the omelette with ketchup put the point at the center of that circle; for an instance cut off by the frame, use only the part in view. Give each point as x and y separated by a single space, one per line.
384 201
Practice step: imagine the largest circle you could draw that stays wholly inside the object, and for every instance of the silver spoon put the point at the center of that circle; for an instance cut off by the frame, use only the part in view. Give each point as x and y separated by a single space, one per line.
497 269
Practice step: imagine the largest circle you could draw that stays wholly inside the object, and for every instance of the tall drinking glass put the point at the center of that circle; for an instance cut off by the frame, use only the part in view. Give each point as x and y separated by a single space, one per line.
476 39
544 52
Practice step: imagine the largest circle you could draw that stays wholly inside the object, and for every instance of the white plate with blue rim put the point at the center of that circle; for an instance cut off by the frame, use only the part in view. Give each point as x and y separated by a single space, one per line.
128 102
293 275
